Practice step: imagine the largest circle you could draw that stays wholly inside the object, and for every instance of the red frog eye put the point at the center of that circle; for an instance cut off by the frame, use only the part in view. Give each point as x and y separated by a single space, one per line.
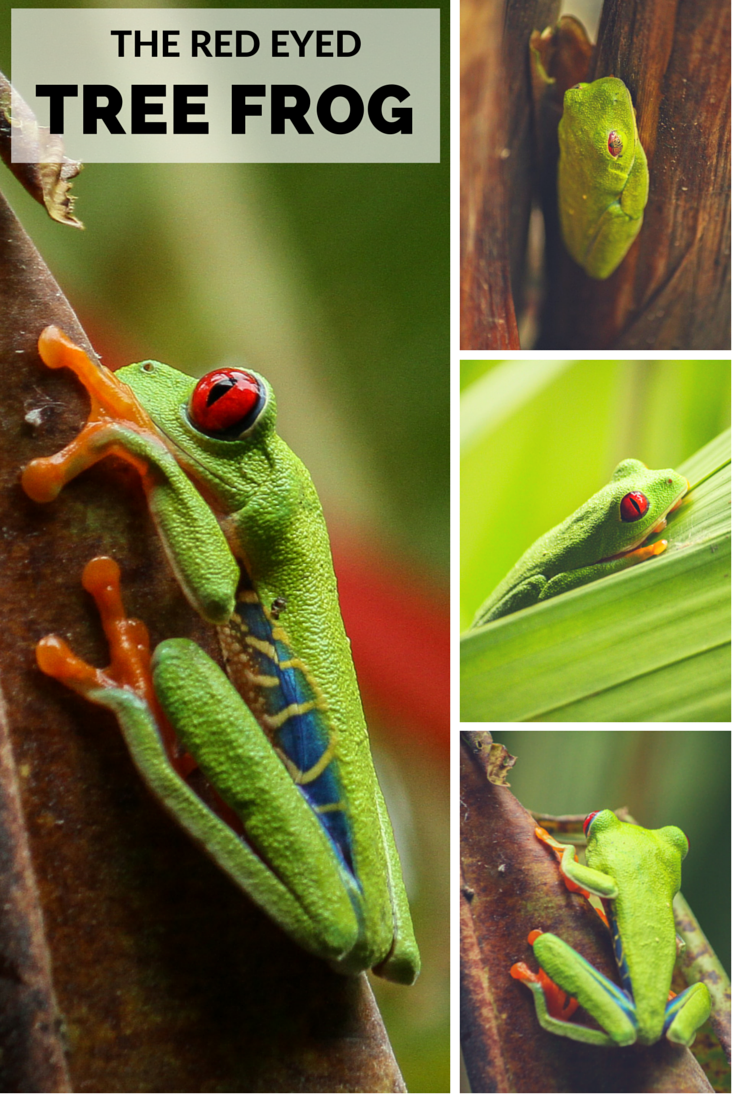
588 822
228 400
634 506
614 144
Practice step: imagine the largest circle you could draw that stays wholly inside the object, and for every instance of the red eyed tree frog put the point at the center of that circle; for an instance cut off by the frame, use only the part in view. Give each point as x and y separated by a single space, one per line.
603 175
603 536
300 822
636 873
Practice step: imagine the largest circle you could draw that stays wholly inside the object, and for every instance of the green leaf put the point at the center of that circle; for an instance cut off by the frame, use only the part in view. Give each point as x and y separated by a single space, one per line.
650 643
496 395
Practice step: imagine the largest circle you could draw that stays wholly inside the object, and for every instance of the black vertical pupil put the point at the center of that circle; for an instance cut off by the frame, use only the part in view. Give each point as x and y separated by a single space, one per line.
220 388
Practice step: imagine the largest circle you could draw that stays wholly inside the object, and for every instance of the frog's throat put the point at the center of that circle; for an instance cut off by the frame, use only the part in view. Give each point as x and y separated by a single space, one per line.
194 466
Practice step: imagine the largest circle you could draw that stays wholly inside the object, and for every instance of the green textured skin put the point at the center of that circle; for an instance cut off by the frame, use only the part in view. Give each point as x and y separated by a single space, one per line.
274 524
601 197
302 920
639 871
569 555
646 866
578 978
194 541
692 1014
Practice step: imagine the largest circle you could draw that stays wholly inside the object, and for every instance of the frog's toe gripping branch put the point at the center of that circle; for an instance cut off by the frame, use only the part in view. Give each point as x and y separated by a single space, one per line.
128 639
558 1003
640 554
130 654
686 1013
579 878
55 348
111 402
403 962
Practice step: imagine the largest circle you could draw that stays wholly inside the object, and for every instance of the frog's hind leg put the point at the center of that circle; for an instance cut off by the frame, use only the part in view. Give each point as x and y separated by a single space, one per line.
609 243
285 863
686 1013
538 985
600 997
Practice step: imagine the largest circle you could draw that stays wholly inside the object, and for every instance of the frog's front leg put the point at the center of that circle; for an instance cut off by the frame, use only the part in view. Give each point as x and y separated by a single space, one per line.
611 1007
118 425
614 224
281 835
570 579
577 877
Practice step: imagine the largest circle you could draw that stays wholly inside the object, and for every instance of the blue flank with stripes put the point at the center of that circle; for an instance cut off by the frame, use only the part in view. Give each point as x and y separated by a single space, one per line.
620 960
674 1006
303 738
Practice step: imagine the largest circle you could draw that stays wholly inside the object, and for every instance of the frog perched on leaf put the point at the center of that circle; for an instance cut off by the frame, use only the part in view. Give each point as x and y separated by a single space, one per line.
605 535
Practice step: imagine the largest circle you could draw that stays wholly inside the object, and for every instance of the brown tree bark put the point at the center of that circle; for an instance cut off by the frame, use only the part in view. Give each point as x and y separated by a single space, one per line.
496 165
487 311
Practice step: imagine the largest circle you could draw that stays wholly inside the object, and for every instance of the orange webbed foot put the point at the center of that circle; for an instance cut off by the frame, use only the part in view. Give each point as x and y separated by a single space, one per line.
130 655
112 403
130 652
640 554
558 1003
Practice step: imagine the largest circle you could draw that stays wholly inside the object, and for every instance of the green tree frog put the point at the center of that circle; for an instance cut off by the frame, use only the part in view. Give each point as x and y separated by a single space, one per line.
636 873
297 818
603 536
603 175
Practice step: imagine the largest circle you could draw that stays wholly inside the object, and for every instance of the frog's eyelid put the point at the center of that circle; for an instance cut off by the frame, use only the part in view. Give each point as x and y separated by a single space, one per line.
614 144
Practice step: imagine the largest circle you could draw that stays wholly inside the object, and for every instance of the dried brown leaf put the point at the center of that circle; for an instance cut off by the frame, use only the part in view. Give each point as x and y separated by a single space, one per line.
41 165
493 756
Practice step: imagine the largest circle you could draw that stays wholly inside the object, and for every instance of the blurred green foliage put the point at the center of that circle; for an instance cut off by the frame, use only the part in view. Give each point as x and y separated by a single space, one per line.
538 438
663 777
